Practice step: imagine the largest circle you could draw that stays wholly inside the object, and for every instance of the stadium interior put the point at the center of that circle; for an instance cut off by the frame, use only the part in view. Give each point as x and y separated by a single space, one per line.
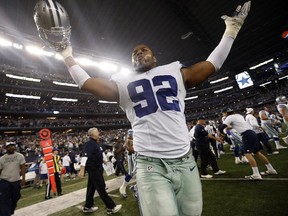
103 36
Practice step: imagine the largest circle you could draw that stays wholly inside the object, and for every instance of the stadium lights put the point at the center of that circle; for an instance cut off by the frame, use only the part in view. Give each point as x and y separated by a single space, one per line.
106 66
264 84
111 102
219 80
35 49
260 64
224 89
17 46
125 71
85 61
190 98
22 96
58 56
51 118
283 77
38 51
65 84
5 42
10 132
64 99
23 78
26 131
69 130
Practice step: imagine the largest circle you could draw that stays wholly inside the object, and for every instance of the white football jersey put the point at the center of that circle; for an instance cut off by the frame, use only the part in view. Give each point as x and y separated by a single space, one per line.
154 104
281 107
266 114
238 122
252 121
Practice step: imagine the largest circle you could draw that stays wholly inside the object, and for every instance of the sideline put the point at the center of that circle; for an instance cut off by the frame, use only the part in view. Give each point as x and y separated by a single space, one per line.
77 197
243 179
65 201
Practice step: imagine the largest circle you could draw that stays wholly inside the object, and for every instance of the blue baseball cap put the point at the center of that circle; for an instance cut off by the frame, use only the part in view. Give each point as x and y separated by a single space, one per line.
226 109
201 118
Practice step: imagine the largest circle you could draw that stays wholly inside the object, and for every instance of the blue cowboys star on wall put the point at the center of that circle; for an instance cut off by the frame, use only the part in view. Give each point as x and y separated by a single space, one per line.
244 80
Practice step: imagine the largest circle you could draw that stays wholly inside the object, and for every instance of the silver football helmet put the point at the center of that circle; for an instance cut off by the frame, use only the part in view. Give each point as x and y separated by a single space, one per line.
53 24
281 99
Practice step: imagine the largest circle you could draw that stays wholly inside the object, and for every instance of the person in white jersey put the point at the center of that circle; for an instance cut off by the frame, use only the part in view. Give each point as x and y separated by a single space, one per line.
250 141
153 99
236 139
66 161
268 127
252 121
282 108
131 157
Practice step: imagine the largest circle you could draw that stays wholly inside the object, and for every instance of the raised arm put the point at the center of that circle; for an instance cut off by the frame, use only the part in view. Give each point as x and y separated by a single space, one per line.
102 88
199 72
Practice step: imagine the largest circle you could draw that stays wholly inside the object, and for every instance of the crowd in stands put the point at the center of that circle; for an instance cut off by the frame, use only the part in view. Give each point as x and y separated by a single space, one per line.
21 106
92 113
35 73
60 122
29 145
211 105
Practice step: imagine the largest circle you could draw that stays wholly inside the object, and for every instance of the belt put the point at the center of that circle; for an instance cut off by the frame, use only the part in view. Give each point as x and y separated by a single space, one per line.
166 159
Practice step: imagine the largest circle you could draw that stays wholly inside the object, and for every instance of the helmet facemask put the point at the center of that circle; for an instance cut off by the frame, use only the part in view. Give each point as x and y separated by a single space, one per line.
57 38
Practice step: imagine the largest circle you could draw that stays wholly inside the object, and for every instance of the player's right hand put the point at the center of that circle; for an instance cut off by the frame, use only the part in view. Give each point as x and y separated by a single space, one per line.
67 52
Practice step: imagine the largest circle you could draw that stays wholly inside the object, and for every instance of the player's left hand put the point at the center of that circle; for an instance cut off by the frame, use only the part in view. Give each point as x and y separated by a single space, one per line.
67 52
234 23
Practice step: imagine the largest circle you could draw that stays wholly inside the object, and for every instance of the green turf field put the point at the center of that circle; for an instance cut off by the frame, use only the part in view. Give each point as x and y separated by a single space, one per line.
225 195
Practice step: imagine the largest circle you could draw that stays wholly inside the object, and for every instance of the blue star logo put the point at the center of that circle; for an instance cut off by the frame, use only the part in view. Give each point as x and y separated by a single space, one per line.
243 81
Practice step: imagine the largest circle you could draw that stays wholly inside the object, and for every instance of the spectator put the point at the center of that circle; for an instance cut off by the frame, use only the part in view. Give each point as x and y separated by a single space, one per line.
66 162
36 181
11 165
43 173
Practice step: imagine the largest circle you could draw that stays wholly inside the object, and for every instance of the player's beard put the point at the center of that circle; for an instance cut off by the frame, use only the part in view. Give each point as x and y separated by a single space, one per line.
144 64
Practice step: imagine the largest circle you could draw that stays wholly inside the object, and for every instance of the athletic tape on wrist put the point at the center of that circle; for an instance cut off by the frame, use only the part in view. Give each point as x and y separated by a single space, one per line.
78 74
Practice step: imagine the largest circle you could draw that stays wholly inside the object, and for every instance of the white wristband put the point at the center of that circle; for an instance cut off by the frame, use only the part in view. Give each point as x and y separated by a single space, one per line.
83 161
78 74
220 53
